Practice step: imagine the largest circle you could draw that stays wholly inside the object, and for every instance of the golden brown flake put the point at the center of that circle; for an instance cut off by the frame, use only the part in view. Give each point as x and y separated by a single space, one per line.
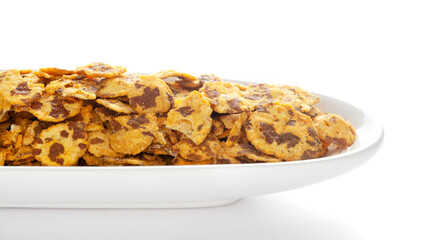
14 90
202 152
226 97
131 134
335 130
85 90
116 105
191 116
100 70
150 95
117 86
52 108
277 129
61 144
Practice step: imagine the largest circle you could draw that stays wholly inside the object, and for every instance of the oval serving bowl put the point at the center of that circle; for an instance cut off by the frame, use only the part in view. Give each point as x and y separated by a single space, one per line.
184 186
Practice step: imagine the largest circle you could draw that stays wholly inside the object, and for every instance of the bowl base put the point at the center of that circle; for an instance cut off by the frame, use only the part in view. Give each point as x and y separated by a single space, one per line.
121 205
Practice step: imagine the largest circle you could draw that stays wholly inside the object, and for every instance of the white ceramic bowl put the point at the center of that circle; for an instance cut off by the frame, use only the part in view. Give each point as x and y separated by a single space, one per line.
184 186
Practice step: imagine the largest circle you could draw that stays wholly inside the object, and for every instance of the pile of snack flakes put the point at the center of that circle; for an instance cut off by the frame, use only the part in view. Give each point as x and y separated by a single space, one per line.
99 115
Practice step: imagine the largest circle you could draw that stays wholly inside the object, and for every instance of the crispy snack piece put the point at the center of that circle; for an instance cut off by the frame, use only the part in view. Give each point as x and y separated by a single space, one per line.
300 99
150 95
99 144
226 97
223 157
209 78
52 74
99 70
31 78
32 129
171 138
92 121
16 141
191 116
218 129
4 109
258 94
197 153
106 114
85 90
165 74
229 119
236 134
3 155
153 160
23 153
27 162
183 80
178 91
3 116
133 133
45 76
277 129
182 161
172 73
246 153
146 160
294 93
14 90
335 130
52 108
57 71
117 86
130 141
61 144
116 105
12 137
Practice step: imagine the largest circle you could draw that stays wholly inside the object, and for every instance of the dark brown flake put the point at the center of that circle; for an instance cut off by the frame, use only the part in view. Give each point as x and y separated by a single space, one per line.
223 161
135 122
54 151
194 157
78 129
290 139
234 104
312 132
82 146
212 93
147 134
38 140
58 109
185 111
308 154
116 126
96 140
36 105
21 89
64 134
291 123
146 100
271 135
36 151
268 132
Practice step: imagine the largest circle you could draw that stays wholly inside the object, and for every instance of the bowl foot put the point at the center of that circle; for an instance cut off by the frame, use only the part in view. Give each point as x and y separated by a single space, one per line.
121 205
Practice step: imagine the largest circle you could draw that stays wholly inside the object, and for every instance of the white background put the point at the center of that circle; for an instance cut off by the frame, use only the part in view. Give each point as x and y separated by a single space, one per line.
370 53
